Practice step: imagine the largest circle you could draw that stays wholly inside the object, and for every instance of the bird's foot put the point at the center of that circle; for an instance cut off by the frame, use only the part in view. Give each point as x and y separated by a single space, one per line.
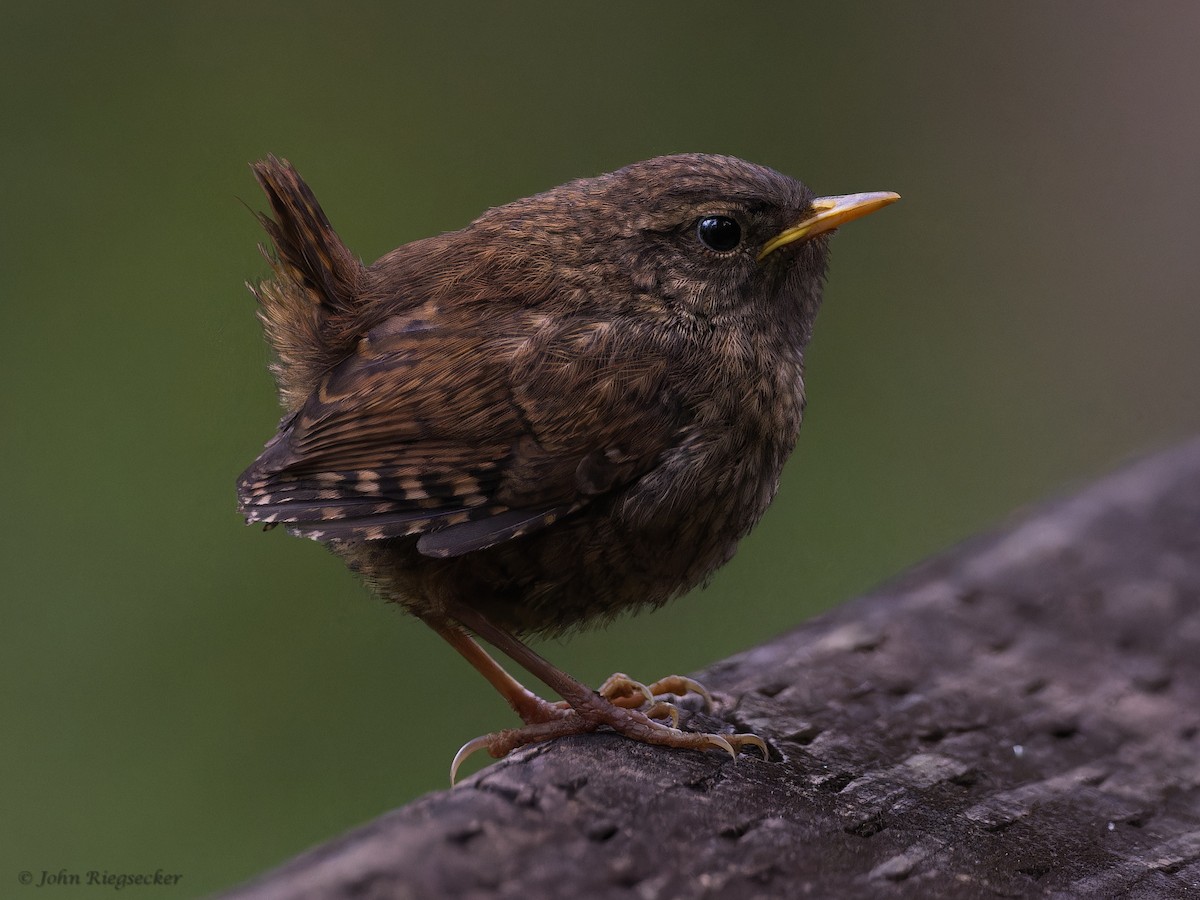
629 708
621 690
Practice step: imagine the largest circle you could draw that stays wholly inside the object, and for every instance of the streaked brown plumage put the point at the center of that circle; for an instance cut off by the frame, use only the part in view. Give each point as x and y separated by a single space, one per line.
572 407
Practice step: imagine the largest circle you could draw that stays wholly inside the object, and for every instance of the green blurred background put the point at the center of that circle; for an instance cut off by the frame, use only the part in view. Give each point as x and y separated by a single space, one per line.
181 692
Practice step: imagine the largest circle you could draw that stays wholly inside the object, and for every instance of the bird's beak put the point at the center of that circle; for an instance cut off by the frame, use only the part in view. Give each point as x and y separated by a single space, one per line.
828 213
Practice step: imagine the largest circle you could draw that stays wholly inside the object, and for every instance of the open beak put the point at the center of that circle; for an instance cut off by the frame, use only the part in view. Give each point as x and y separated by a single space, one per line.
828 213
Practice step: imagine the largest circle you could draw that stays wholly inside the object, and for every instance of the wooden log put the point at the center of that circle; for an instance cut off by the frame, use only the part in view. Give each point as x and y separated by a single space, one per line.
1017 717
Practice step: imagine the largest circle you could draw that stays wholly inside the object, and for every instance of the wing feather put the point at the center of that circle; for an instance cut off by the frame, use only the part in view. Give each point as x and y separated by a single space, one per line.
464 438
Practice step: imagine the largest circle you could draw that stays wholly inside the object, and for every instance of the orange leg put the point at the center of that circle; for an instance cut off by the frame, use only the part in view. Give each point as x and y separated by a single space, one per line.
619 706
529 706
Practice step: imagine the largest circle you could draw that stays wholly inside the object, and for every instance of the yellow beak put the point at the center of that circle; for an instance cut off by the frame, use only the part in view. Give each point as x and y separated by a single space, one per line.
829 213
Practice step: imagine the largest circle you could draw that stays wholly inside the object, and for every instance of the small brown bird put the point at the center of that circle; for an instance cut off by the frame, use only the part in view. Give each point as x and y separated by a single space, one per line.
573 407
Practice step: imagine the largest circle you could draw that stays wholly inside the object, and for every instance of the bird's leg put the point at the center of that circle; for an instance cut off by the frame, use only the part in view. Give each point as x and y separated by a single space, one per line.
529 706
589 709
618 688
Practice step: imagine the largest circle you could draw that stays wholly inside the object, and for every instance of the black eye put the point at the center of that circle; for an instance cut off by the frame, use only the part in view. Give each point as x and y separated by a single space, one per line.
719 233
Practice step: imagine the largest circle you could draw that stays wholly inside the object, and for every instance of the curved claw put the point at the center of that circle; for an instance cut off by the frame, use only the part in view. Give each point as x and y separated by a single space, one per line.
680 685
720 743
479 743
663 709
750 740
619 687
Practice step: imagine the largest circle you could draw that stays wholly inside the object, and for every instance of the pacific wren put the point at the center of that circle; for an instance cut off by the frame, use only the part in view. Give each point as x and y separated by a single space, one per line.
573 407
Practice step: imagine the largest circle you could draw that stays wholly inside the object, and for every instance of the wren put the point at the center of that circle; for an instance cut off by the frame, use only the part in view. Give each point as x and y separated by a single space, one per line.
573 407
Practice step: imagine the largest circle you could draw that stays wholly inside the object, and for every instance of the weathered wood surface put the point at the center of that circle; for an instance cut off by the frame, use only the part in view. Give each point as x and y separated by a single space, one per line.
1018 717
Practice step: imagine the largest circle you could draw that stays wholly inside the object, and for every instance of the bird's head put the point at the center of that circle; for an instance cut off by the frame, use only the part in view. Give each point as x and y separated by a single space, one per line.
691 234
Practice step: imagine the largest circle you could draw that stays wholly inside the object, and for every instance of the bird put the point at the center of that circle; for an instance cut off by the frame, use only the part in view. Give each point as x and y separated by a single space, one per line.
572 408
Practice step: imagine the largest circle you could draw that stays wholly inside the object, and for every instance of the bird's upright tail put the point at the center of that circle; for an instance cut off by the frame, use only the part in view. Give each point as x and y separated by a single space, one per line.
316 282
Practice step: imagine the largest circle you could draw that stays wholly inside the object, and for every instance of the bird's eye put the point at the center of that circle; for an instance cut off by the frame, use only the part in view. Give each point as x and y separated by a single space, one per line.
719 233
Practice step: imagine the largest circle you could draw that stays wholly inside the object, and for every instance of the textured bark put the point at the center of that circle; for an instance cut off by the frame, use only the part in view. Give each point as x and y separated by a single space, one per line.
1018 717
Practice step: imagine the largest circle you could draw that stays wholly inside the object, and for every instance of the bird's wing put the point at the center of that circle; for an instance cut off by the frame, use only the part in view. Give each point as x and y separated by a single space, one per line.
465 438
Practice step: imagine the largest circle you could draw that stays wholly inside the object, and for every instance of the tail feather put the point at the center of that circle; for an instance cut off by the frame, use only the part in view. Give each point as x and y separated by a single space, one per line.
316 283
306 242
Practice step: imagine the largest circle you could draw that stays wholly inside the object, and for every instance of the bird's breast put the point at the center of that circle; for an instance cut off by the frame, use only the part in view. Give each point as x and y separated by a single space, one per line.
745 397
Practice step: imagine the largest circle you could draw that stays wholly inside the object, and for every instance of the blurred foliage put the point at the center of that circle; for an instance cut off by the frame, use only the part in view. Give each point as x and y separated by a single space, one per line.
180 692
